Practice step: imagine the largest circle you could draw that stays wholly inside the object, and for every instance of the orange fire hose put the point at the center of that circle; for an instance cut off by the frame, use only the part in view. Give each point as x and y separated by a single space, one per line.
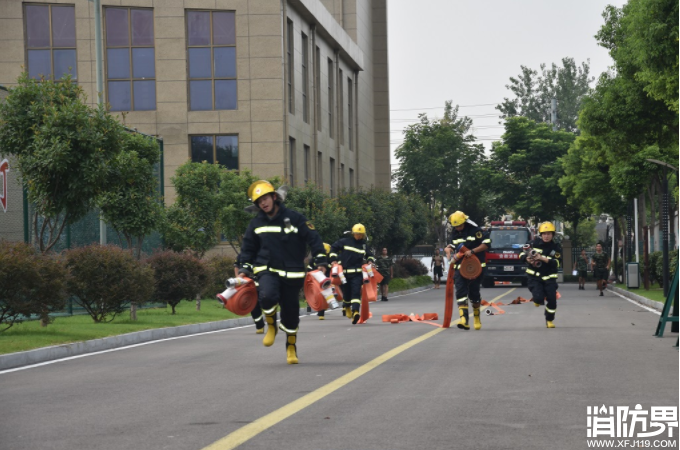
313 294
244 300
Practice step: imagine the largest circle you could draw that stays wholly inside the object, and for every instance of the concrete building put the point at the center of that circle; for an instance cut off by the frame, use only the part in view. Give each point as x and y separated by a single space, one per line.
295 88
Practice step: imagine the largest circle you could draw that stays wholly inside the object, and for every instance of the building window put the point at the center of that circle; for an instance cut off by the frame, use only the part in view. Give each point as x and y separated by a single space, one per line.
291 67
330 97
50 41
351 178
342 177
332 177
130 59
341 112
319 168
215 149
350 113
211 55
291 162
305 78
307 156
317 88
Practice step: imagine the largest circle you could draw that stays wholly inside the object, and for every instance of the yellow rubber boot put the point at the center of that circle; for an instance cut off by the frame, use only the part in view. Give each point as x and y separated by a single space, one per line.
478 320
291 349
268 340
259 331
355 317
348 312
463 324
549 324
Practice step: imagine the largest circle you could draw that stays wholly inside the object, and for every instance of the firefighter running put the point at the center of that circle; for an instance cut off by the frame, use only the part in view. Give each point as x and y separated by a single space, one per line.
353 251
477 242
321 313
543 261
273 251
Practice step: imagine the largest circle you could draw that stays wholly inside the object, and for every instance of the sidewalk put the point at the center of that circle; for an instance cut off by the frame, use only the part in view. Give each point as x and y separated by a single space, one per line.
39 355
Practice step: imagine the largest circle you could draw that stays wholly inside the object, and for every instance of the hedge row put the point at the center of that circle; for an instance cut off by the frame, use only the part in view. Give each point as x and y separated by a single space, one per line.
103 280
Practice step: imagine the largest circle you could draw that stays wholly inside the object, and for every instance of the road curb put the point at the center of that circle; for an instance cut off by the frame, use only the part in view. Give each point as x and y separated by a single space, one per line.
637 298
39 355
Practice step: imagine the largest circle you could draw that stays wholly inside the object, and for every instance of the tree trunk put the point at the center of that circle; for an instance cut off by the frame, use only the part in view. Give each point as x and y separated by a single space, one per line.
198 302
133 311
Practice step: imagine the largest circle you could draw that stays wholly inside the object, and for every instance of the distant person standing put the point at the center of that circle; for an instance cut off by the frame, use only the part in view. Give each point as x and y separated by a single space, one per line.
437 268
385 265
581 265
600 263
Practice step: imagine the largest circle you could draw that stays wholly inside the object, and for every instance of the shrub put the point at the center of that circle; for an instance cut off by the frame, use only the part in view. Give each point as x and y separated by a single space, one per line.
105 278
177 276
409 267
30 284
218 269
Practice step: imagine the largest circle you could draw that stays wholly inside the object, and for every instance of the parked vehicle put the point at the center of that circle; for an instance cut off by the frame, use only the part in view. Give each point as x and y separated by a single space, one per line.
502 260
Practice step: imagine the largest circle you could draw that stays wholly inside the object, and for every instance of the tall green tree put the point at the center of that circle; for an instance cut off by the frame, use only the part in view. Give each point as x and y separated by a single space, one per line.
132 204
534 92
524 170
65 151
193 221
440 163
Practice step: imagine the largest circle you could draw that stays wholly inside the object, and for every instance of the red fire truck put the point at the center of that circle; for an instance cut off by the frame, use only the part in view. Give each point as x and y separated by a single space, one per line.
502 260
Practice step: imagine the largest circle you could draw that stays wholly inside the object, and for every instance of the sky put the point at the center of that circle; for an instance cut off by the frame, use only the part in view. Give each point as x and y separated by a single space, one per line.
467 50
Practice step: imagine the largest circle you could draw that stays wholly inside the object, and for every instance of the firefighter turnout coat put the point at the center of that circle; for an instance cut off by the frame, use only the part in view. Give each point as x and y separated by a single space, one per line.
279 245
547 271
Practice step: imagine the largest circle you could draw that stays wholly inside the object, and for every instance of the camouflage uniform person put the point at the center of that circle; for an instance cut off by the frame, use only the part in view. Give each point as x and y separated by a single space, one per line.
581 266
600 264
384 265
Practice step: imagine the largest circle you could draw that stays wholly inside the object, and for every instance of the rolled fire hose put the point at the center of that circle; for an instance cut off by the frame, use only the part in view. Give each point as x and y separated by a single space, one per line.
240 300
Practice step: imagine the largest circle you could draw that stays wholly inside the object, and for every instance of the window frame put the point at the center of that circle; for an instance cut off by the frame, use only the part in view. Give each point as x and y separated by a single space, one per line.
317 88
290 51
305 77
214 155
331 102
212 47
291 160
51 48
307 153
341 109
332 172
350 113
130 46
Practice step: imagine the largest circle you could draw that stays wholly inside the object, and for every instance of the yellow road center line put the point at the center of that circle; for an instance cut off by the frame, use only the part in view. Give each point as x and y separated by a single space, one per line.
251 430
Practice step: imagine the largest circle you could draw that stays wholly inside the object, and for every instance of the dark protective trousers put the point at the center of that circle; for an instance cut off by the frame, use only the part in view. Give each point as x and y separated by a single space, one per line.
276 290
351 291
257 316
544 292
467 289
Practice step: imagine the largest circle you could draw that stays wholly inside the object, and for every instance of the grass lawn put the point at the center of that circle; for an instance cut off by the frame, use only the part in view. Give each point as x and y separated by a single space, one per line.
65 330
655 293
29 335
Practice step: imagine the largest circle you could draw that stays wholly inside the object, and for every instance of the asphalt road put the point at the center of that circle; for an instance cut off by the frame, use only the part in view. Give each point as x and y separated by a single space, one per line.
514 384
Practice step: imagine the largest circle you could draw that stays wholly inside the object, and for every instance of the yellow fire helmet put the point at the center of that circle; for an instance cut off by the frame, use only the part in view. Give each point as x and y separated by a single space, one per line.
258 189
327 247
546 227
358 229
457 219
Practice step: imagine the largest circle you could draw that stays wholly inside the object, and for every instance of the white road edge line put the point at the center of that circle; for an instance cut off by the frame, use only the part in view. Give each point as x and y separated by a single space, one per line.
658 313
